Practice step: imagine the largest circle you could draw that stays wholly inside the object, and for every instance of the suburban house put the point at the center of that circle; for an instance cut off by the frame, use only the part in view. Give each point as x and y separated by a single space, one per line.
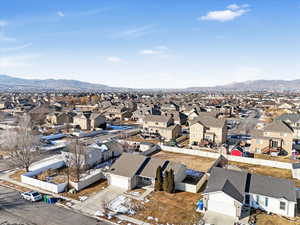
275 138
293 120
139 114
59 118
89 121
207 128
161 125
95 154
134 170
233 193
117 112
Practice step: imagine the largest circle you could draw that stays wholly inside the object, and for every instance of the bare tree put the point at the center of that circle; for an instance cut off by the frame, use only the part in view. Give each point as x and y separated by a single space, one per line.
76 160
21 144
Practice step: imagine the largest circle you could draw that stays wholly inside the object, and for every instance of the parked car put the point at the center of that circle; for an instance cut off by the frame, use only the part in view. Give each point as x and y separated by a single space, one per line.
32 196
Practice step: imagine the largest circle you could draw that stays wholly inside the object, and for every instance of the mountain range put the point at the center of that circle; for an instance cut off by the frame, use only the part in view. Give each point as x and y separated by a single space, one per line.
10 83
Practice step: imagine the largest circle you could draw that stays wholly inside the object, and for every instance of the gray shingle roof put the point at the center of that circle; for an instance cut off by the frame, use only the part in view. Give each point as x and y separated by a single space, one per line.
278 126
128 164
293 117
273 187
208 121
237 183
151 167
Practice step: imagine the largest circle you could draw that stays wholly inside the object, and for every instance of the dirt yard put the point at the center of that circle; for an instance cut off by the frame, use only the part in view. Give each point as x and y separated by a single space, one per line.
17 175
88 191
191 161
178 208
267 171
264 219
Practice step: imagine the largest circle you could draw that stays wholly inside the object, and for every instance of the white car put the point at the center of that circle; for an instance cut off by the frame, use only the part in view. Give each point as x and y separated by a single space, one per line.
32 196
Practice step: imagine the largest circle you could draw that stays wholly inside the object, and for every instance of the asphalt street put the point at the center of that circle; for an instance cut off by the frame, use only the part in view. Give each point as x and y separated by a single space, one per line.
17 211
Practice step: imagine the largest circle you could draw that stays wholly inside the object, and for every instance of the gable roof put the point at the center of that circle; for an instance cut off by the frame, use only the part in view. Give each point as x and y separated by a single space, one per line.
128 164
237 183
151 167
293 117
278 126
273 187
157 118
208 121
224 180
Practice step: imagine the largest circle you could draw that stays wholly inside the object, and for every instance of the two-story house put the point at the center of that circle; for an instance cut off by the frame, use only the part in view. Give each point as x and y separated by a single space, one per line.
207 128
275 138
89 121
161 125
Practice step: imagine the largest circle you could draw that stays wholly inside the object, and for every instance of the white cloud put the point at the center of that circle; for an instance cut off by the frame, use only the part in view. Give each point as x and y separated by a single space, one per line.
5 38
149 52
134 32
233 11
60 13
158 50
3 23
233 7
14 61
16 48
114 59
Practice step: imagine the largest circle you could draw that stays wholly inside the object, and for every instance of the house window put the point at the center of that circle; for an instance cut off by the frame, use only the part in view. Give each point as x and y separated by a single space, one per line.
282 205
257 199
266 202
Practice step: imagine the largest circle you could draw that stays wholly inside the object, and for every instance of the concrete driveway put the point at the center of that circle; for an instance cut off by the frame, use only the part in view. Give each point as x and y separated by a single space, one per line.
218 218
94 203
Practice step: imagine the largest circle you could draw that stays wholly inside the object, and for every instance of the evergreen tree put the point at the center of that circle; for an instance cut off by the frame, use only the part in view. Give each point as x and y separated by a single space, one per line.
166 182
158 179
171 183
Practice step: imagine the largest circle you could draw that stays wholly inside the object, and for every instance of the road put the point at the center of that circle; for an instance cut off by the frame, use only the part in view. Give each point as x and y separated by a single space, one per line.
17 211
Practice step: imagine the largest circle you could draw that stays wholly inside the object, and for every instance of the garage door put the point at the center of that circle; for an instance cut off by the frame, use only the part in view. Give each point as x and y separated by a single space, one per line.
121 182
221 207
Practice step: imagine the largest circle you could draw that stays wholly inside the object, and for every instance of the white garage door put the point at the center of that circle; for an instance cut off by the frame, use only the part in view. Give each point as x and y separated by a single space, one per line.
221 207
121 182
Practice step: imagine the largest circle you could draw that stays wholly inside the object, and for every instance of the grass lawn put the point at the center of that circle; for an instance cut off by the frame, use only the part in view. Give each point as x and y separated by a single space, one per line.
178 208
191 161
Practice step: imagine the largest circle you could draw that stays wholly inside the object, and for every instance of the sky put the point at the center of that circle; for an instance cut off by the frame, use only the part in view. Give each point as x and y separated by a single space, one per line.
151 43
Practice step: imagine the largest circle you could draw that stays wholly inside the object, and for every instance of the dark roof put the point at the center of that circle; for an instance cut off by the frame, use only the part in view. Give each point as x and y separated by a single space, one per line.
231 182
208 121
237 183
278 126
128 164
273 187
151 167
293 117
157 118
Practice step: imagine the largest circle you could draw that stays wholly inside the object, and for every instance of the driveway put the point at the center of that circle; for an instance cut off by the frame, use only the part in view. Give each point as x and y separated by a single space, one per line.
218 218
97 201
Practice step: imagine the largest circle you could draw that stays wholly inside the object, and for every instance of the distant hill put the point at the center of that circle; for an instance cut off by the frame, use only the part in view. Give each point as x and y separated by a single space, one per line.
255 85
9 83
15 84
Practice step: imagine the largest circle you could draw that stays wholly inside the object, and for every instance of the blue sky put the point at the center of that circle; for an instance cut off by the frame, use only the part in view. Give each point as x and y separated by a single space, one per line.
157 43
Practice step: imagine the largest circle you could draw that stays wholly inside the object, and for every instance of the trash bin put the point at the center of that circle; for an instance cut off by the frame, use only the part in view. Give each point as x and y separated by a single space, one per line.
45 198
200 205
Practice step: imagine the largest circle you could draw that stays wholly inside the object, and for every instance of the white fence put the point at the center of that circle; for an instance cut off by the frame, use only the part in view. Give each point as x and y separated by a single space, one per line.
262 162
87 180
27 178
194 188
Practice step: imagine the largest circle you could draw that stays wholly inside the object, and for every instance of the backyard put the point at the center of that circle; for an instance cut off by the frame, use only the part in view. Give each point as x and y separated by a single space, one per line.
178 208
267 171
192 162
